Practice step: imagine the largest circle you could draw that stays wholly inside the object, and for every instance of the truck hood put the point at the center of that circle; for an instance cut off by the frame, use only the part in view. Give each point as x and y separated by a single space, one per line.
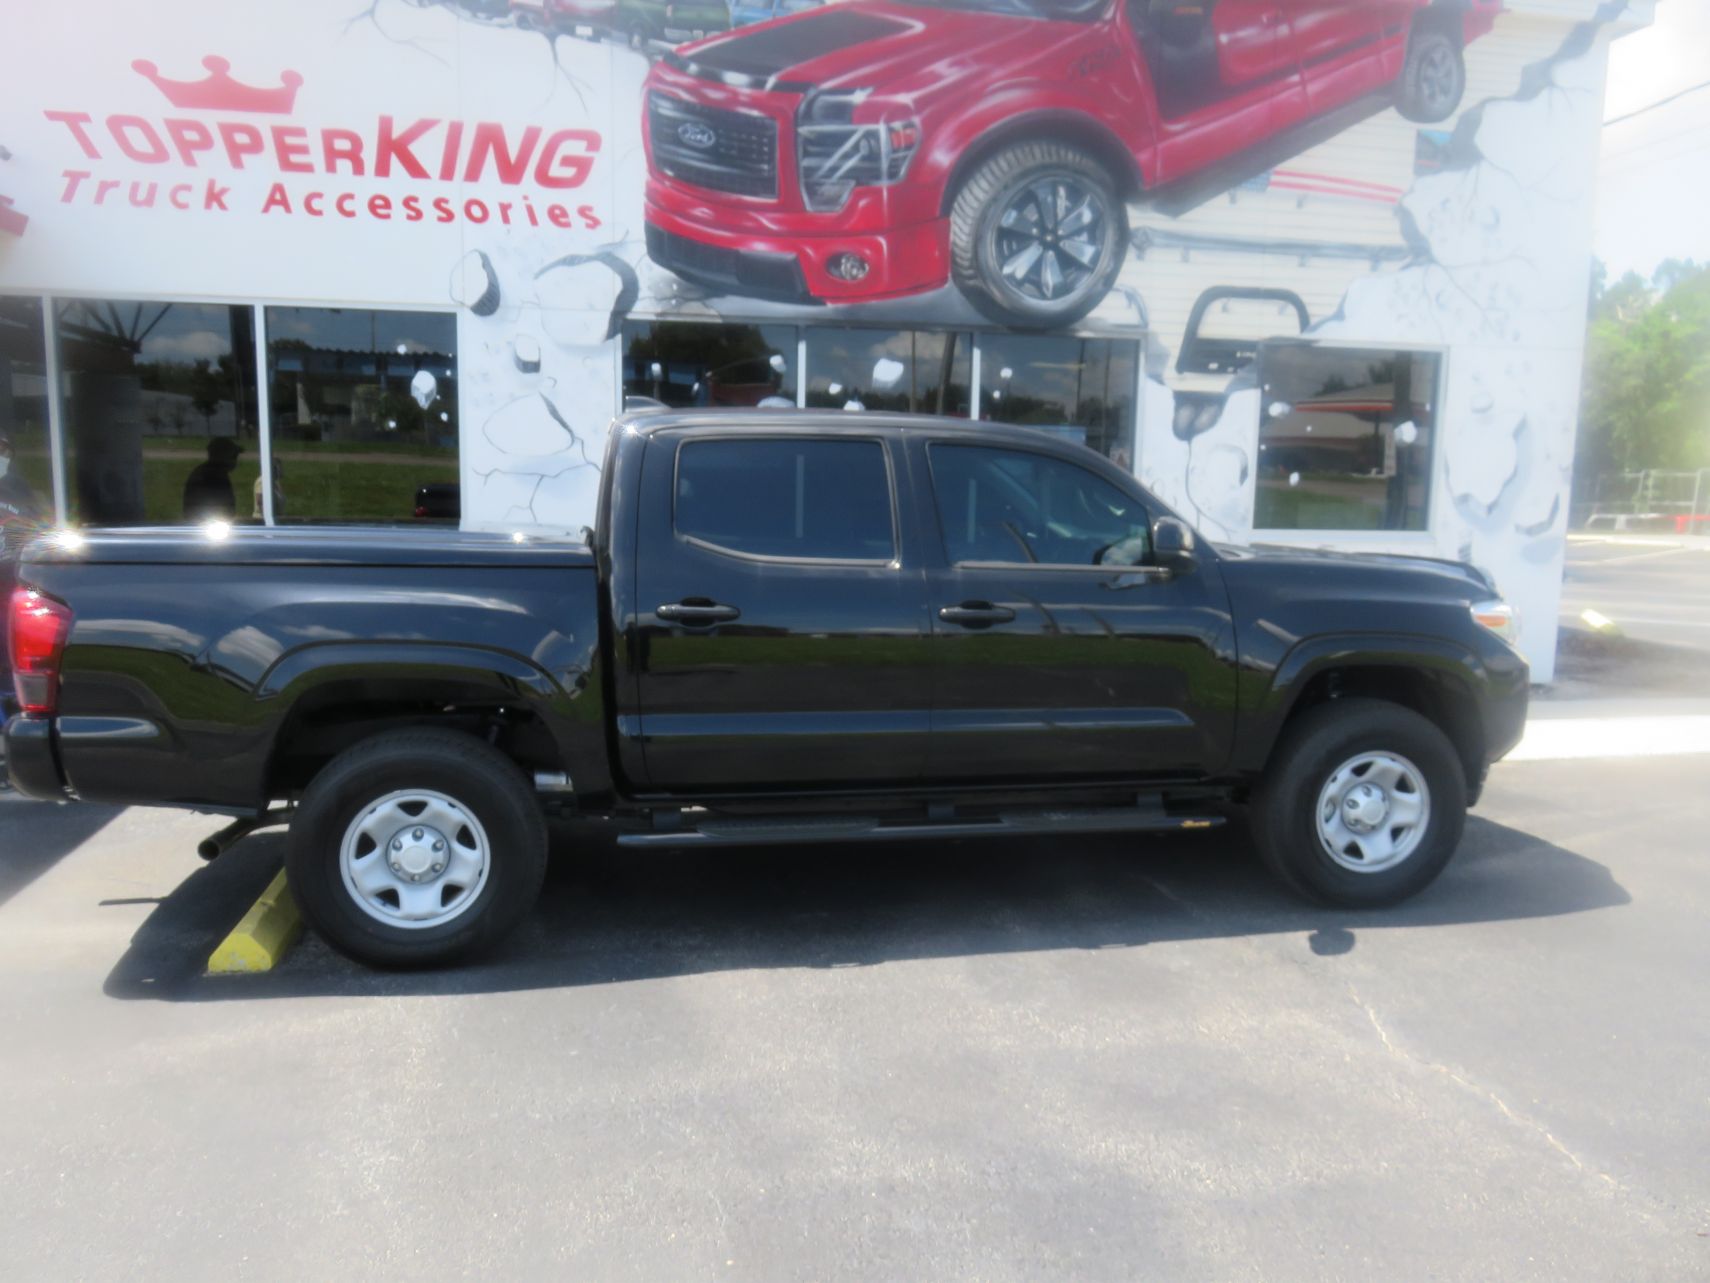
1449 573
875 45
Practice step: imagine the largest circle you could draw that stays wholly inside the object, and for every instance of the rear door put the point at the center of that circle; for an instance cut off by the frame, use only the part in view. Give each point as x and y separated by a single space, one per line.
1061 651
782 637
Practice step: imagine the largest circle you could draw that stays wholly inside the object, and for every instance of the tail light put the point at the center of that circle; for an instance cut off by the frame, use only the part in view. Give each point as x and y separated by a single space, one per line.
39 627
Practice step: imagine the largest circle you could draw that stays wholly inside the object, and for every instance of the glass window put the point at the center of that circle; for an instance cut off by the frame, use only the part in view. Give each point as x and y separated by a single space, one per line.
796 498
160 420
682 363
1015 506
26 469
364 408
1345 438
900 370
1082 390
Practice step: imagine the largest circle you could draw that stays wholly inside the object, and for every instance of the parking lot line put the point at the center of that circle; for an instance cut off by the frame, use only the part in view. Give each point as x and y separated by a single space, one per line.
1563 738
260 941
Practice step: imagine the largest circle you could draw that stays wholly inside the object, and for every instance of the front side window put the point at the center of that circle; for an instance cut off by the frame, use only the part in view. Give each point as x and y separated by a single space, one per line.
1345 438
794 498
1016 506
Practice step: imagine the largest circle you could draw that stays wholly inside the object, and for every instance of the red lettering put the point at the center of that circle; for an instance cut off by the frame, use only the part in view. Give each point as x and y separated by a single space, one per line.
73 180
413 208
121 127
277 198
291 146
240 140
103 187
489 140
189 137
528 206
448 154
573 168
389 147
180 196
505 212
443 213
312 205
380 207
559 215
590 220
215 196
470 208
74 121
342 145
139 198
346 204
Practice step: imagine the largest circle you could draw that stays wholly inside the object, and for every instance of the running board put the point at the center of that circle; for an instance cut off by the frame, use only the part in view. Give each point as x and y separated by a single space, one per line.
741 831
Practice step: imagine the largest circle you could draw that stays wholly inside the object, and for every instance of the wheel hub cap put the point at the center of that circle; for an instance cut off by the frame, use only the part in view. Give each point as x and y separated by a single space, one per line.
415 858
1373 812
1364 806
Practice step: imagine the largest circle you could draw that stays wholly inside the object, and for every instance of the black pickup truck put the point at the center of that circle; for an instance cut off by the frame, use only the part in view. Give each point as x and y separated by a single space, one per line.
785 627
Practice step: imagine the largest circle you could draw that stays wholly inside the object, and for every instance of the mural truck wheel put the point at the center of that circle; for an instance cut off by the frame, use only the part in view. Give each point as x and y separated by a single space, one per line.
1037 235
1434 78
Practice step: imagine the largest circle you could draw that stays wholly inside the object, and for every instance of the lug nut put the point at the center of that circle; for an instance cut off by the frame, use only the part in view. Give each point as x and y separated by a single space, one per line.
438 867
397 844
417 835
439 846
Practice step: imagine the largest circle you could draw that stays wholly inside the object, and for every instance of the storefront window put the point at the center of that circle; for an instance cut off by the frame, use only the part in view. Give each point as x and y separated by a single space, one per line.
901 370
159 411
1079 389
682 363
1345 438
26 470
364 411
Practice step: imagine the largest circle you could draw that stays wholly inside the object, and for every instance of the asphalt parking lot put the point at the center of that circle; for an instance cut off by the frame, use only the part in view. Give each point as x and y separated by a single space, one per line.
1655 590
1093 1058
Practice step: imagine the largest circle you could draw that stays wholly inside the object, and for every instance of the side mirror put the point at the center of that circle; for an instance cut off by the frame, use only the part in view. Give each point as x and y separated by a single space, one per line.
1172 545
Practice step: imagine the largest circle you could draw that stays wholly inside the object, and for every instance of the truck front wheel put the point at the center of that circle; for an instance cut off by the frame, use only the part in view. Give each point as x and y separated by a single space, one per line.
1037 235
1434 77
416 848
1363 804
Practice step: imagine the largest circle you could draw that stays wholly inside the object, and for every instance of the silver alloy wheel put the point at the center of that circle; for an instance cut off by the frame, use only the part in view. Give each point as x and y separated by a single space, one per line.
1438 77
1373 812
1049 240
414 859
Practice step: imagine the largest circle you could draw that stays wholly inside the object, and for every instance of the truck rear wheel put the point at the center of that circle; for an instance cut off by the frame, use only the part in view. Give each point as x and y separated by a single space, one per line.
1434 77
1037 235
416 848
1363 804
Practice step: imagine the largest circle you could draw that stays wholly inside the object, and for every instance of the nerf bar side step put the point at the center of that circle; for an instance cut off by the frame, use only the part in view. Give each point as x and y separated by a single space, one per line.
746 831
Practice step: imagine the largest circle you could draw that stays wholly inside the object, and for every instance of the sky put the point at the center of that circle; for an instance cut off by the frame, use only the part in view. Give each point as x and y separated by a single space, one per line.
1654 178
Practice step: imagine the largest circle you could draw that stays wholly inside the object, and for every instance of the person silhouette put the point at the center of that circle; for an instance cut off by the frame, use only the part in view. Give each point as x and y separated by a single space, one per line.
208 494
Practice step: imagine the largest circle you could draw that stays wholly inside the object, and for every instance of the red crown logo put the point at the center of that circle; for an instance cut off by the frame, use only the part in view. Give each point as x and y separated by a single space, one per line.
219 92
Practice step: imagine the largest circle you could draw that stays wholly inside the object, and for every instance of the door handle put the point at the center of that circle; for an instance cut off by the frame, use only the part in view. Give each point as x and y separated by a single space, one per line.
976 614
697 612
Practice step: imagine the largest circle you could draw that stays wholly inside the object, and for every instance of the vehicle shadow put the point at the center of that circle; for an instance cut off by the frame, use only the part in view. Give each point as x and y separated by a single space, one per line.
35 836
608 915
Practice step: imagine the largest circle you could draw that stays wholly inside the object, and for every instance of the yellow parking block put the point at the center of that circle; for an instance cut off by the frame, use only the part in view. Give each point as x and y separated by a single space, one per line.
261 940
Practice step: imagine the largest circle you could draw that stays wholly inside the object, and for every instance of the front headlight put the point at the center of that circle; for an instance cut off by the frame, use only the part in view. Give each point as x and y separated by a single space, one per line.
835 156
1501 618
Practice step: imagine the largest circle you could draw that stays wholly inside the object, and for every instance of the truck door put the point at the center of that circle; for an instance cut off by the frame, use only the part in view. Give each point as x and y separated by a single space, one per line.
1202 53
781 619
1060 651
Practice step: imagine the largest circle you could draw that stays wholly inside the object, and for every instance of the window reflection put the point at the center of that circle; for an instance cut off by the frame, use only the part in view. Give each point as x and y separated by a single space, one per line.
364 409
683 364
899 370
1345 438
26 471
1079 389
160 418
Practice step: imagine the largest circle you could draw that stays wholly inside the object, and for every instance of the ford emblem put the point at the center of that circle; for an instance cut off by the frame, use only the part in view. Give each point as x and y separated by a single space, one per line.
696 134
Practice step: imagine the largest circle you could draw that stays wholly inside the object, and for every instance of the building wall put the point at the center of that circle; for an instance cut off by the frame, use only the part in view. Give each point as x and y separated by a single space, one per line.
1470 247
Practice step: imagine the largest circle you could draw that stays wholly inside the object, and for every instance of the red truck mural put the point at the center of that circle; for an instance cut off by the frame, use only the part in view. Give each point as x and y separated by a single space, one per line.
882 148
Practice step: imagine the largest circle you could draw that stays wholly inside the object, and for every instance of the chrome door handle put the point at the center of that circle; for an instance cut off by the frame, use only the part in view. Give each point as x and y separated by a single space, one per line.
976 614
696 614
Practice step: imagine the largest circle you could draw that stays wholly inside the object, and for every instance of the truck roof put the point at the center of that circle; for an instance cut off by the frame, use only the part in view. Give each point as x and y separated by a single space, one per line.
238 545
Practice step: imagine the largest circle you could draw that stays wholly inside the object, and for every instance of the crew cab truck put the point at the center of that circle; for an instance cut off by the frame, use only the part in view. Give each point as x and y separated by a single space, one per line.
882 148
785 627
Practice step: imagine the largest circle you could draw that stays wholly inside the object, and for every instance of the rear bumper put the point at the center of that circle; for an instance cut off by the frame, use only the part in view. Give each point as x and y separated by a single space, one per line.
32 762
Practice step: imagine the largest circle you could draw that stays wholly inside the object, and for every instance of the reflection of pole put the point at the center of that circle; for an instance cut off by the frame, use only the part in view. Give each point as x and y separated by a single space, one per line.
944 369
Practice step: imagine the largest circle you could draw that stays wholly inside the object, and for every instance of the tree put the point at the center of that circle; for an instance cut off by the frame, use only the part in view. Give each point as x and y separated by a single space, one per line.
1646 393
205 388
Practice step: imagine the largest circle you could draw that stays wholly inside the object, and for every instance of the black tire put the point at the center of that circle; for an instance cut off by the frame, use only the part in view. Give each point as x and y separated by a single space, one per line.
1434 77
974 230
1314 745
481 780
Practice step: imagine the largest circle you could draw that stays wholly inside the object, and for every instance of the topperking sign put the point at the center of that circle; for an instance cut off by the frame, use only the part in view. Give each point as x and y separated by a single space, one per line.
315 158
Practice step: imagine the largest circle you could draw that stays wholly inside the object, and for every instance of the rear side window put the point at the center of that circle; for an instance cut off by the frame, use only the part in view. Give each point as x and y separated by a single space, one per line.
799 498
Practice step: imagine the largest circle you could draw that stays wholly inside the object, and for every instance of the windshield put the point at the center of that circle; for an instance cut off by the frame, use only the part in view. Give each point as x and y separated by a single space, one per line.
1060 10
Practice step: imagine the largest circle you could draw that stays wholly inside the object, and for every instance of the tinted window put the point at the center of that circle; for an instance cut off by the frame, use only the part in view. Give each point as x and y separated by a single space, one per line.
787 498
1017 506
